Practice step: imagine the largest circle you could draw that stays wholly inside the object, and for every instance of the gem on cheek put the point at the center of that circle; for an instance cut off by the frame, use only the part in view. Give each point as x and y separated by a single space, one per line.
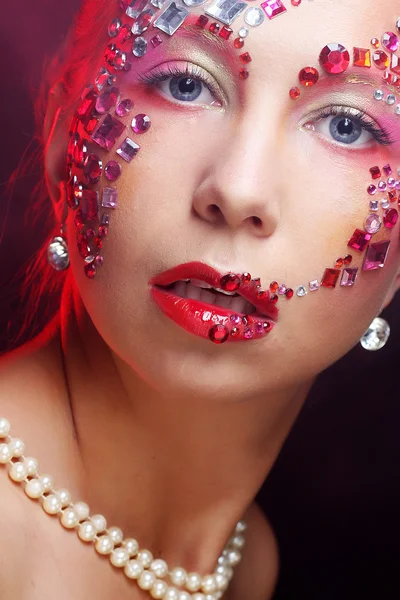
124 107
139 47
274 286
294 93
330 278
359 240
349 277
225 32
218 334
90 270
301 291
390 218
238 43
112 170
387 169
308 76
245 57
362 57
334 58
214 27
395 64
390 41
289 293
156 40
92 169
348 259
202 21
90 205
373 223
313 285
381 59
273 8
375 172
375 43
128 149
371 189
141 123
254 16
109 198
107 100
107 133
376 255
243 73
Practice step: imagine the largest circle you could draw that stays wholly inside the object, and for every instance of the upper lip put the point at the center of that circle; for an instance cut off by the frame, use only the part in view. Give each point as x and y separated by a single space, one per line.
203 272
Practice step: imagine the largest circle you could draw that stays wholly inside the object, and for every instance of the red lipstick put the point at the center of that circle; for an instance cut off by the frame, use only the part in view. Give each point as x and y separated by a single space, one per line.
208 320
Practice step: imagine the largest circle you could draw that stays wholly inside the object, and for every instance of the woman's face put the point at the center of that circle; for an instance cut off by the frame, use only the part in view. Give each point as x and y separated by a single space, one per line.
236 174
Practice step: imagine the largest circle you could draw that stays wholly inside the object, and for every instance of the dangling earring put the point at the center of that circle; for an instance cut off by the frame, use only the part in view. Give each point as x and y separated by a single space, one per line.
57 252
376 335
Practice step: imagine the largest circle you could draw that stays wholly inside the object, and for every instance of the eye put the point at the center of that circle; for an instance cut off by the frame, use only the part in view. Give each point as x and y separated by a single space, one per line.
348 126
186 83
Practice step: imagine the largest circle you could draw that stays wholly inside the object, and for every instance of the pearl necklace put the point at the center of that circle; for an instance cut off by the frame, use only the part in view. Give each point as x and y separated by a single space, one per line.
137 564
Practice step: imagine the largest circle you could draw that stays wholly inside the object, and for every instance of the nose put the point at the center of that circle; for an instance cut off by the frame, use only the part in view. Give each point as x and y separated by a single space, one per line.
241 187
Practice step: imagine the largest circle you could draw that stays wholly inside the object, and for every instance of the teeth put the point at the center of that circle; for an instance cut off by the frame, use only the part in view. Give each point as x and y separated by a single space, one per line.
188 290
199 283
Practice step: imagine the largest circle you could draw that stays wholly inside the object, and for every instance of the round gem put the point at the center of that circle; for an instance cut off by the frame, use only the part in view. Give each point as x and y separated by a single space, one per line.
390 218
301 291
375 43
218 334
371 189
236 319
382 186
378 95
243 73
373 223
92 169
90 270
107 100
334 58
348 259
214 27
289 293
308 76
274 299
141 123
296 2
243 32
390 41
282 289
385 203
103 230
381 59
230 282
114 27
112 170
139 47
391 99
238 42
124 107
259 327
99 260
142 22
391 182
234 331
339 263
274 286
248 333
254 16
376 335
294 93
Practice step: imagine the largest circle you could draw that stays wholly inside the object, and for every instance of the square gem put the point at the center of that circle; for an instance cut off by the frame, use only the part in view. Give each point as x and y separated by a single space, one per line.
90 205
361 57
128 149
349 277
376 255
172 18
225 11
110 197
375 172
273 8
330 278
314 285
107 133
359 240
395 64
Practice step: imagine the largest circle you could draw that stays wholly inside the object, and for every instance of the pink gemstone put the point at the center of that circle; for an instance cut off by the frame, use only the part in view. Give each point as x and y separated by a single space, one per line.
99 260
390 218
156 41
391 182
387 169
376 255
248 333
371 189
141 123
359 240
108 132
381 59
282 289
382 186
390 41
92 169
110 198
334 58
124 107
349 277
90 205
373 223
112 170
273 8
128 149
107 100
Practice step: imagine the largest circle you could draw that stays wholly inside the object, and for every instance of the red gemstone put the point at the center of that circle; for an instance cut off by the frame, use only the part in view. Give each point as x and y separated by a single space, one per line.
246 277
359 240
261 294
375 43
375 172
202 21
294 93
348 259
381 59
308 76
93 168
218 334
339 263
330 278
274 299
274 286
334 58
80 153
214 27
83 247
361 57
79 221
243 73
230 282
103 231
392 196
90 270
99 242
225 32
289 293
390 218
238 42
91 125
245 57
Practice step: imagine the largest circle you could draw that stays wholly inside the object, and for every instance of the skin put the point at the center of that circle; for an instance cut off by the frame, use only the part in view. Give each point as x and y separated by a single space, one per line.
186 431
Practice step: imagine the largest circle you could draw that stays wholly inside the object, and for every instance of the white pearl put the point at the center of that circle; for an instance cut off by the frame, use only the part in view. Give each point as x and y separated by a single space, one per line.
146 580
234 557
145 557
185 596
104 544
18 471
198 596
52 504
159 567
64 496
119 557
99 523
4 427
131 545
171 594
17 447
178 576
241 526
218 595
193 582
34 488
209 585
115 534
32 465
238 541
69 518
87 531
47 481
159 589
82 510
133 569
221 581
5 454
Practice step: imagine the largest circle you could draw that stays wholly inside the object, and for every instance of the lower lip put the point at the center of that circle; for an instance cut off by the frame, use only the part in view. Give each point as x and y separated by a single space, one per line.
209 321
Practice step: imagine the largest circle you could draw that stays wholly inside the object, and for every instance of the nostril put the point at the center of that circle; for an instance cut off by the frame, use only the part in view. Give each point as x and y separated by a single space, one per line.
214 209
257 221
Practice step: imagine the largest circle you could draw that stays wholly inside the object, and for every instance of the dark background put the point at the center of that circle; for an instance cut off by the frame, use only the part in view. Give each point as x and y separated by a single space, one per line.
333 495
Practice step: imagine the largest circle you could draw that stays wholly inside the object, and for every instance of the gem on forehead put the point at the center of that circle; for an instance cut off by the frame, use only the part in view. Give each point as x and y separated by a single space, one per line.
109 198
225 32
114 27
381 59
359 240
143 21
391 99
301 291
172 18
273 8
135 8
128 149
139 47
225 11
374 205
107 133
390 41
90 205
156 40
373 223
349 277
330 278
202 21
362 57
385 203
395 64
194 2
308 76
254 16
238 43
214 27
334 58
376 256
124 107
158 3
243 32
104 77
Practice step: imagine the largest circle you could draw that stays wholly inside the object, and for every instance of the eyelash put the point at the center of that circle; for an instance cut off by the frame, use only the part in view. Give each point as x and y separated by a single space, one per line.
173 70
381 134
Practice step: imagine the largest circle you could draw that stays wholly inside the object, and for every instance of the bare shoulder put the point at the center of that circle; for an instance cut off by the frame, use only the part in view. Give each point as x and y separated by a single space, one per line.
257 574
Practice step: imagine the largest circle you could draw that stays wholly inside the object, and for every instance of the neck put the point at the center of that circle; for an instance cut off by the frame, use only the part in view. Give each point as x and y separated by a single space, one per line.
173 471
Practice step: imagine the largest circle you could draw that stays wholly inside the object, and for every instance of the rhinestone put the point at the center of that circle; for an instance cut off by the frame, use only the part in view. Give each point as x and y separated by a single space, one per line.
245 57
376 335
390 218
86 106
374 205
156 40
93 168
348 259
390 41
349 277
135 8
248 333
371 189
80 153
294 93
105 219
172 18
381 59
202 21
90 205
143 21
107 100
128 149
236 319
103 79
124 107
389 78
296 2
139 47
57 254
124 34
398 109
398 24
214 27
385 203
90 271
361 57
194 2
334 58
238 43
314 285
230 282
282 289
243 73
373 224
254 16
382 186
289 293
218 334
308 76
158 3
107 133
243 32
273 8
99 260
387 169
110 198
79 221
375 172
330 278
141 123
112 170
376 255
391 99
226 11
114 27
339 263
378 95
392 196
359 240
91 125
391 182
225 32
395 64
301 291
375 43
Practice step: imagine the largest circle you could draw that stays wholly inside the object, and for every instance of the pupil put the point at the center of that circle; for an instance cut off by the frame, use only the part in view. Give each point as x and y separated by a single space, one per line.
345 127
186 85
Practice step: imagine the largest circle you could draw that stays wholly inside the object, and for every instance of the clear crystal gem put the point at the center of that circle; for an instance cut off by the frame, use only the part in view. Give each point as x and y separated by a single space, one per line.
391 99
114 27
57 254
378 95
301 291
139 47
376 335
104 78
254 16
374 205
194 2
243 32
314 285
225 11
172 18
385 203
135 8
143 21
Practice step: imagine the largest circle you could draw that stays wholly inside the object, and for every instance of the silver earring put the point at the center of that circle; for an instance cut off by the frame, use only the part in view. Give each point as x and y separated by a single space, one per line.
376 335
57 254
